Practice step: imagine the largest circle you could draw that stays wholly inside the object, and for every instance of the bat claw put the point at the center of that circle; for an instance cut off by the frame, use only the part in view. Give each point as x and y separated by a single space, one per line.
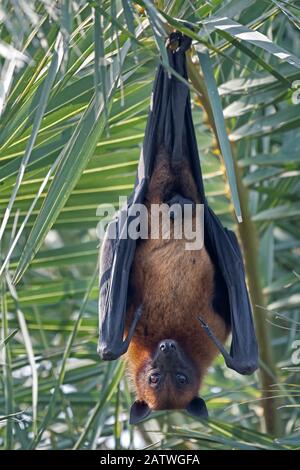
107 354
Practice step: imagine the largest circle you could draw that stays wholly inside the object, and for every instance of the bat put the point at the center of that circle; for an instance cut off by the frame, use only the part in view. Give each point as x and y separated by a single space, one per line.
171 309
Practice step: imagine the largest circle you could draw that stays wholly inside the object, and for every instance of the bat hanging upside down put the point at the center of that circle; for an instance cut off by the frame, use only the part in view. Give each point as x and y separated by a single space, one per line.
169 352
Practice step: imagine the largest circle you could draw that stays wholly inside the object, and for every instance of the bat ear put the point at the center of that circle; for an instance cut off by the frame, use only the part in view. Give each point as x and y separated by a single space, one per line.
197 408
139 410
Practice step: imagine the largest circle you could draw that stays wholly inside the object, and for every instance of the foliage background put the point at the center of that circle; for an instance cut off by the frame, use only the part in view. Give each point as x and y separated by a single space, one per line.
76 79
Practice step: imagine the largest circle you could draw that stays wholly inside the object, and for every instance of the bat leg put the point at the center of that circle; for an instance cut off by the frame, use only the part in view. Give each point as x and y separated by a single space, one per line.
180 200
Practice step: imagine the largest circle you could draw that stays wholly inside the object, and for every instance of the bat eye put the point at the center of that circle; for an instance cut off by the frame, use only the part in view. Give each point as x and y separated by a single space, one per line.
154 378
181 379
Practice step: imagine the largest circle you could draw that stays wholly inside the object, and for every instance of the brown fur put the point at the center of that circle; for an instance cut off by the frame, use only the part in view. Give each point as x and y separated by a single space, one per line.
173 286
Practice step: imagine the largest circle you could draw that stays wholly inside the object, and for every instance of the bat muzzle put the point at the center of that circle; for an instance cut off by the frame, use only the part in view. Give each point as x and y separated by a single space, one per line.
168 346
167 355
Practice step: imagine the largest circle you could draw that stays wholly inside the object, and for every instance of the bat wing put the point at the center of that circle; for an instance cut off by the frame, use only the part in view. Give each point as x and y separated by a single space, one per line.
226 254
116 256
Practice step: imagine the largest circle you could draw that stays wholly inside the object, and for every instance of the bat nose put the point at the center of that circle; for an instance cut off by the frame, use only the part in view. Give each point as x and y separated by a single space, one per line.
167 346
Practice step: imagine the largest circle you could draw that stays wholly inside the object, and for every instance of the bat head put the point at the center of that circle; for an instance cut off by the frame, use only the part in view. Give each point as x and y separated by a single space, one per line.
167 380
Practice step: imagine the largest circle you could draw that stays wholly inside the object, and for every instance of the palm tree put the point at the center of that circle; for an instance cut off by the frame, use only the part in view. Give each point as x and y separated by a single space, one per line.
76 81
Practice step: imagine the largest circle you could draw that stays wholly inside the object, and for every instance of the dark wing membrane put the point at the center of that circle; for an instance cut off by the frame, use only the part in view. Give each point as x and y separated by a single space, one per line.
116 258
223 246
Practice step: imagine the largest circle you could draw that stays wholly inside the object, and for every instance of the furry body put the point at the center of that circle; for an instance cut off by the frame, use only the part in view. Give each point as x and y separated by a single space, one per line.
173 286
